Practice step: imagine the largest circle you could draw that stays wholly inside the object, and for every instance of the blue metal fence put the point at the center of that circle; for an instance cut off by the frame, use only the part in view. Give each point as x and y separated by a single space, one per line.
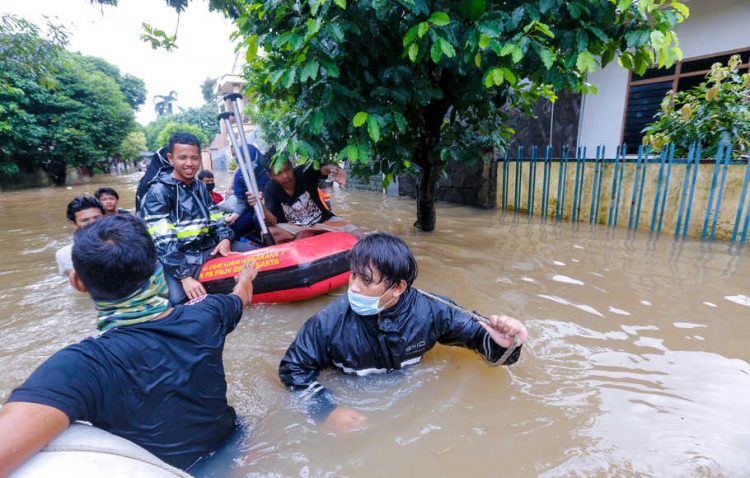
664 165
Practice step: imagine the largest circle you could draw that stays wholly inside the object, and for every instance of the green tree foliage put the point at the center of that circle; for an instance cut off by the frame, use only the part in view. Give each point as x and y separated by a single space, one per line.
716 111
207 90
204 118
163 137
408 85
132 146
27 57
68 112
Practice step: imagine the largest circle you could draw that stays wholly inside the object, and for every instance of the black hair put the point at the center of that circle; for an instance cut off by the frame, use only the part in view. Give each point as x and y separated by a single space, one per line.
181 137
385 253
114 256
205 173
81 203
106 190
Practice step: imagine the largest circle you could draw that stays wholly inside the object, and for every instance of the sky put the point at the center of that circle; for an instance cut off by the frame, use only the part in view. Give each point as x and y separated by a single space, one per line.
113 33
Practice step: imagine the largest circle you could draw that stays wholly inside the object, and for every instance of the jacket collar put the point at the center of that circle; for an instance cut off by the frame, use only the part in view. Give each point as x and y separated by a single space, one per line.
393 319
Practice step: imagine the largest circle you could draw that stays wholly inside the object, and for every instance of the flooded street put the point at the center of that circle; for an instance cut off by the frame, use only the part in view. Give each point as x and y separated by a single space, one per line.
636 365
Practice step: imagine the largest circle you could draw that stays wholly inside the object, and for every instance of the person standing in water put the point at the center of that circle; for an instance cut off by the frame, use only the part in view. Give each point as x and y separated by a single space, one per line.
384 324
82 210
155 376
109 198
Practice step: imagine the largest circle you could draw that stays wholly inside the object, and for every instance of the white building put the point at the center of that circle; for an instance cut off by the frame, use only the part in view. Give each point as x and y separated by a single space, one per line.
715 30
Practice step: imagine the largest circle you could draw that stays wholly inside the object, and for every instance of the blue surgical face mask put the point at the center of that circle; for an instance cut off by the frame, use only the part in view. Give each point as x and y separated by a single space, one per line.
364 304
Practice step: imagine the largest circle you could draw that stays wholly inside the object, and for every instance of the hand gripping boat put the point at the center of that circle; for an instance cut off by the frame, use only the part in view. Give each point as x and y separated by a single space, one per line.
289 272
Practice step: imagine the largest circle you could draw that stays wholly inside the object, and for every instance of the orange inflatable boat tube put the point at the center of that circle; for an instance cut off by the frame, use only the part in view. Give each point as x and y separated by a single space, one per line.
289 272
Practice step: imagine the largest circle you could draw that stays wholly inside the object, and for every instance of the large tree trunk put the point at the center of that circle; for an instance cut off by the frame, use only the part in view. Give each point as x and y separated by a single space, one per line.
57 171
426 186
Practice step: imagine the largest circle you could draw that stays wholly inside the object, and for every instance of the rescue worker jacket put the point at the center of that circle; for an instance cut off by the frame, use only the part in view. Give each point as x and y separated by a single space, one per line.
183 222
396 338
158 164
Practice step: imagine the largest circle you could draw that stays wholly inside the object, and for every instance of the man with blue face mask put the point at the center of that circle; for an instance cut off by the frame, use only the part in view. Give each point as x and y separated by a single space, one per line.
384 324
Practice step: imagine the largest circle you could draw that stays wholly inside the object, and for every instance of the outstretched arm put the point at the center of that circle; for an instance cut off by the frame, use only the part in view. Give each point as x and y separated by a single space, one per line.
244 287
491 340
25 429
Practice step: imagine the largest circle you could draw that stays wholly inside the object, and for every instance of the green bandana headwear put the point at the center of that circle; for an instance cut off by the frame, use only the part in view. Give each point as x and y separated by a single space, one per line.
140 306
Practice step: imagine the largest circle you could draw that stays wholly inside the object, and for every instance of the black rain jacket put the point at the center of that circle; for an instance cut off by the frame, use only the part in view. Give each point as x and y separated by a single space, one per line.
397 337
183 222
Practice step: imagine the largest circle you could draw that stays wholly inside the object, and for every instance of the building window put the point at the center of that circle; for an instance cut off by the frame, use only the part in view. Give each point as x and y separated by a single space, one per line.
646 91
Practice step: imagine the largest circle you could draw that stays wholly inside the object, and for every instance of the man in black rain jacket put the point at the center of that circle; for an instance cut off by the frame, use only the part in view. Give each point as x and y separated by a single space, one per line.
185 224
382 325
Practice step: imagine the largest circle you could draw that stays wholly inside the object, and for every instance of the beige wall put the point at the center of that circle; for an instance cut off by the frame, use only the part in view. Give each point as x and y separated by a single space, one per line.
728 211
713 26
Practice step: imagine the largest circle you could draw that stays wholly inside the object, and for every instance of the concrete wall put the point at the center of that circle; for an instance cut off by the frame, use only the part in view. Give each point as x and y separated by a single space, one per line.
728 211
713 26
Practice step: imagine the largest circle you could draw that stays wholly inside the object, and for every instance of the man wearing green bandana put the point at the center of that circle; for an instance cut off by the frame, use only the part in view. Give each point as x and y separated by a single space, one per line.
156 371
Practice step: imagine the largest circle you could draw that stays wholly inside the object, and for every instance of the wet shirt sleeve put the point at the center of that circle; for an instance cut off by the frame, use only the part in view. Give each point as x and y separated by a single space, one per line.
458 328
67 381
226 309
303 361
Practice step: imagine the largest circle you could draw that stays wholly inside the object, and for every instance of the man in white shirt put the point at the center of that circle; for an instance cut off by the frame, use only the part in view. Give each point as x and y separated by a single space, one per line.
82 210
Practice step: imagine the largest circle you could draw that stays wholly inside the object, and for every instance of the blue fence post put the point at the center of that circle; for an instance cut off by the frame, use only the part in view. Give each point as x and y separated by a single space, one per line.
599 187
636 181
593 184
560 183
506 159
619 181
532 181
666 187
659 180
517 190
575 212
727 158
698 153
683 193
717 166
614 187
741 205
642 186
545 181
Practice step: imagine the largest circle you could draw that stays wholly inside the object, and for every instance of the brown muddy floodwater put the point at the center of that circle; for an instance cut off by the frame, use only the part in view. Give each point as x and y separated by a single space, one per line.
637 363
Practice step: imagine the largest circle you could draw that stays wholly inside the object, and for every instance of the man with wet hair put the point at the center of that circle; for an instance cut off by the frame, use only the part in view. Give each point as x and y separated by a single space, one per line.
183 220
385 324
81 210
155 376
109 198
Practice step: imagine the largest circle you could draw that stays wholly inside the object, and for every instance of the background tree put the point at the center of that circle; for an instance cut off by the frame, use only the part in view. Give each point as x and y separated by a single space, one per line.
28 57
163 137
408 85
60 109
207 90
132 146
714 112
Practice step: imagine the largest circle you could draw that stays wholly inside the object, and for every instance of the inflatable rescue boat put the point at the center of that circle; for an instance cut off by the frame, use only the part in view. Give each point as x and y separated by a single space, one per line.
83 451
288 272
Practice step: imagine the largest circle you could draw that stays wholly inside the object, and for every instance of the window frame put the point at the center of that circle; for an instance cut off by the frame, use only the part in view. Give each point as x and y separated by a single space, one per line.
676 77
